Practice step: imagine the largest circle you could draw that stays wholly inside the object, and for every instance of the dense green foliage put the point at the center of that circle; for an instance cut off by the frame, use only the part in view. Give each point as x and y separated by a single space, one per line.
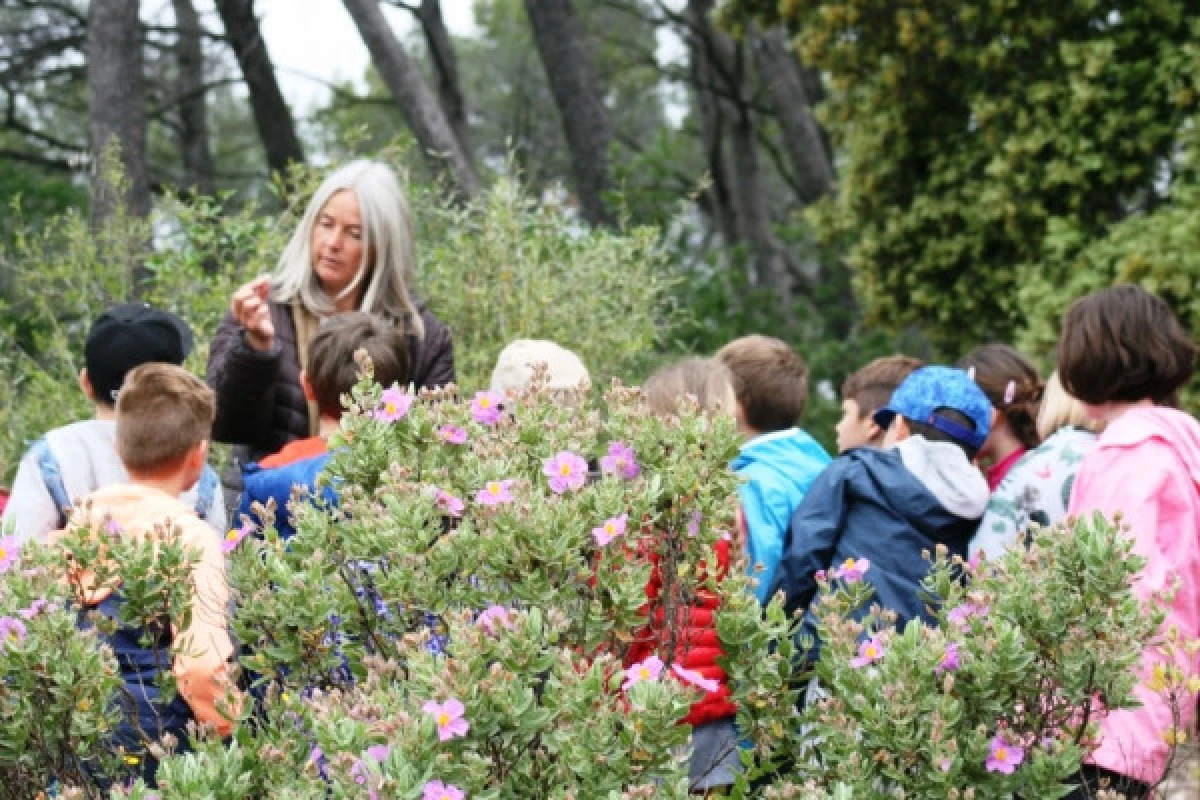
987 143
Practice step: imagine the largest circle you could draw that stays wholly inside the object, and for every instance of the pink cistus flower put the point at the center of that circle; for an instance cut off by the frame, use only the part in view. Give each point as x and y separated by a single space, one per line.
950 660
695 678
448 503
492 618
611 529
648 669
621 460
393 405
566 471
693 526
449 718
961 614
1003 756
852 569
487 407
11 628
869 652
35 608
10 551
495 493
235 536
452 434
436 790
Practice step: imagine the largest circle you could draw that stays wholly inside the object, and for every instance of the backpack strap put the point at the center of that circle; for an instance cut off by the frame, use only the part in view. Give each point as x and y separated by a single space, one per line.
206 490
52 478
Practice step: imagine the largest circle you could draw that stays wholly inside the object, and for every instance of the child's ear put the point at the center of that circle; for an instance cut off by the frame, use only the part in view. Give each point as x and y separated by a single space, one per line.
85 383
307 387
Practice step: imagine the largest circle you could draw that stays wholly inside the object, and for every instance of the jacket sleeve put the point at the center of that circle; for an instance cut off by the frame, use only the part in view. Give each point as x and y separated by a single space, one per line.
202 665
813 536
244 381
766 530
30 507
433 365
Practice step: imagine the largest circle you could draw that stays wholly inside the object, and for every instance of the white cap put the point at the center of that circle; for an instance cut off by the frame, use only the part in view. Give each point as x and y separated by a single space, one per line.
514 367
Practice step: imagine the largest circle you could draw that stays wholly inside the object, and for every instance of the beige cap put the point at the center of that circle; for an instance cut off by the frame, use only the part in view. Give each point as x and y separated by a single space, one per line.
514 367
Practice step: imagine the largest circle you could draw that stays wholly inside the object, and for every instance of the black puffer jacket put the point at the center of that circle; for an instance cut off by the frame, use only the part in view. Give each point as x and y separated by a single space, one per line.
259 400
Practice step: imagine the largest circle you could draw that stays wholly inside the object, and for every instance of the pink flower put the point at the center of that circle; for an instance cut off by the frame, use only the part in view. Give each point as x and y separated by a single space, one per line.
112 527
611 529
945 764
852 570
393 405
495 493
35 608
648 669
436 790
234 537
494 617
378 752
869 652
565 471
950 661
449 503
449 718
1004 757
693 526
10 551
961 614
453 434
487 407
621 460
695 678
11 628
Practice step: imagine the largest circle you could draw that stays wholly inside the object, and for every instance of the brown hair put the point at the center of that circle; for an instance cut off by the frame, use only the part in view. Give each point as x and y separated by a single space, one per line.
770 380
872 386
163 411
705 379
332 370
1012 383
1124 344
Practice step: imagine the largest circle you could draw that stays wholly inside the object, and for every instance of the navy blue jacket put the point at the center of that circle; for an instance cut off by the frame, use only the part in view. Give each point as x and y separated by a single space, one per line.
869 504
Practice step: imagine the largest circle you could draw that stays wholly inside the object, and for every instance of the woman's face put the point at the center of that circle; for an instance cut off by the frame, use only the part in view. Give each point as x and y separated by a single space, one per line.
337 242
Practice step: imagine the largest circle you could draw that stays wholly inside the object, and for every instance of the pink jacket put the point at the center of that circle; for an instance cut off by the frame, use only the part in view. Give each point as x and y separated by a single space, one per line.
1147 466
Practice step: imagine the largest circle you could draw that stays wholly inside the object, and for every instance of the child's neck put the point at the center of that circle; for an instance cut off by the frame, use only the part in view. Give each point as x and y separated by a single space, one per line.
169 484
1112 411
103 412
328 427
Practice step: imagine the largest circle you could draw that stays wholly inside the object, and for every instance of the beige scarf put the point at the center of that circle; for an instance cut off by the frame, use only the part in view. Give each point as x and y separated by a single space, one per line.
306 328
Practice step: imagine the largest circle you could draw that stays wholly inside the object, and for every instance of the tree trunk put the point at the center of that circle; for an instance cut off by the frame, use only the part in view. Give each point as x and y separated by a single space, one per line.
445 65
272 116
579 96
198 171
713 131
116 105
784 79
418 103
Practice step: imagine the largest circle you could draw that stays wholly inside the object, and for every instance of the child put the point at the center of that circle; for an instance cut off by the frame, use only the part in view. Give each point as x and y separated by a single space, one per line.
332 372
779 461
1038 488
164 419
889 506
864 393
1125 356
715 760
1012 384
68 462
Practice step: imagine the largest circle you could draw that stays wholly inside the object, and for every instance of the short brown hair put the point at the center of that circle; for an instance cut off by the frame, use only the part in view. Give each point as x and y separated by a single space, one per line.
163 411
1011 382
706 379
872 386
332 370
1124 344
770 381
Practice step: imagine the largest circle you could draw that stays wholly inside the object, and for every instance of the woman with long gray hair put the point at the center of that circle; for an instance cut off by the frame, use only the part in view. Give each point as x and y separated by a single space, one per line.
353 251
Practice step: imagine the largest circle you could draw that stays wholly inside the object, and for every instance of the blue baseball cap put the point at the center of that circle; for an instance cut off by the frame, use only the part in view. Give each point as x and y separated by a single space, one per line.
930 389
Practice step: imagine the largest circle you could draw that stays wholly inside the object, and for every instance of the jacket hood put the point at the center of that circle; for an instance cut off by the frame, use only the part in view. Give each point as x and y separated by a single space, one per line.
943 468
779 453
1176 429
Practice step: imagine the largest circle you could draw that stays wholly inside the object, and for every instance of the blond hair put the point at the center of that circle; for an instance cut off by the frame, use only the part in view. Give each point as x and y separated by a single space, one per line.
389 255
1060 410
163 411
706 380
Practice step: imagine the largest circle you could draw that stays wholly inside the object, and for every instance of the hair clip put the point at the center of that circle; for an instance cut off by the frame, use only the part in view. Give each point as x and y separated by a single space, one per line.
971 373
1010 393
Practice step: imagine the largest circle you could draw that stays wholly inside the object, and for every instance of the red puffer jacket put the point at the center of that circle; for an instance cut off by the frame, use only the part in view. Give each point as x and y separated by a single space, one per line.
697 646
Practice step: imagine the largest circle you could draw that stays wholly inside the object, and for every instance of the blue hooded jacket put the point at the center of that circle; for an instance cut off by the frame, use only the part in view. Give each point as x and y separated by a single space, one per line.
886 506
262 484
778 469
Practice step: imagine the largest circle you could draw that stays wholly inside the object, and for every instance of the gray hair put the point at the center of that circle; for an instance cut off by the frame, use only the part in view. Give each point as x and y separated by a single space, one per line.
389 255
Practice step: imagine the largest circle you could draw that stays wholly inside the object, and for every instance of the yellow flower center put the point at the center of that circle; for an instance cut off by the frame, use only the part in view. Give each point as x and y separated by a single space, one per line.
391 408
3 554
1001 754
564 470
872 651
644 673
231 536
849 563
484 402
494 488
443 719
610 529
